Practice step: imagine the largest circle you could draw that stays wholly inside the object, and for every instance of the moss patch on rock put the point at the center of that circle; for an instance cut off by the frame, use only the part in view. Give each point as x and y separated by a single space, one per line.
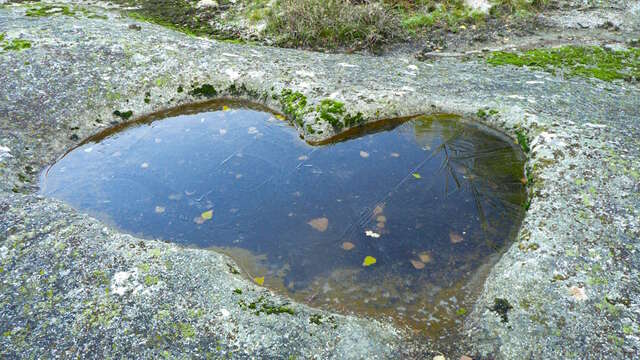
584 61
14 45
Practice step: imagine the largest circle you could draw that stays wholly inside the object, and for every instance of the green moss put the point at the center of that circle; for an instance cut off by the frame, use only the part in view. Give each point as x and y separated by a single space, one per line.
233 270
294 104
150 280
162 21
49 10
180 89
123 115
261 306
100 277
16 45
461 312
353 120
315 319
522 141
584 61
501 307
485 113
186 330
237 291
331 111
144 268
206 90
448 14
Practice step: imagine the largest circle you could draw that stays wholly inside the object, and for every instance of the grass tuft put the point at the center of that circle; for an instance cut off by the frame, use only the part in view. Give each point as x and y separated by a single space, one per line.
333 24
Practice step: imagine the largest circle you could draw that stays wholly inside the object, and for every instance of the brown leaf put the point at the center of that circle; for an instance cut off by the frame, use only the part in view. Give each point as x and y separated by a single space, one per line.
419 265
381 218
319 224
455 237
347 245
378 209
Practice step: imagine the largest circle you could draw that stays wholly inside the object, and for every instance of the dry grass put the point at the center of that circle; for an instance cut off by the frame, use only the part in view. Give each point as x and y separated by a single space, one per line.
334 24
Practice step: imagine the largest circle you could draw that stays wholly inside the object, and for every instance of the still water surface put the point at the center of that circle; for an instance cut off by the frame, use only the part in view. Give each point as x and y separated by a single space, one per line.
395 220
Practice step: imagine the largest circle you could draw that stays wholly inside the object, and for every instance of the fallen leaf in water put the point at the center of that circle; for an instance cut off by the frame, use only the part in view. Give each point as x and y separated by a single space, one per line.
523 181
380 225
319 224
381 218
159 209
144 165
222 131
199 220
364 154
368 261
455 237
252 130
378 209
207 215
175 197
417 176
418 265
259 280
372 234
347 245
578 293
395 154
280 117
425 257
225 108
303 157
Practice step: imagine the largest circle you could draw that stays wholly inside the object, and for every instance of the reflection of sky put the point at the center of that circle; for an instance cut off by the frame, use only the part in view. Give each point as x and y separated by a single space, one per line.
264 185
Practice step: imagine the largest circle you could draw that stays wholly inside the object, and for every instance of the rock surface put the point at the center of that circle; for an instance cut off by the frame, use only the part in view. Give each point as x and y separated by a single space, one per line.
71 285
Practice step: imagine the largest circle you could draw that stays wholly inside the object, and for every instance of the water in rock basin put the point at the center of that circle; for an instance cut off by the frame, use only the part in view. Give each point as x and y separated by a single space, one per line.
396 219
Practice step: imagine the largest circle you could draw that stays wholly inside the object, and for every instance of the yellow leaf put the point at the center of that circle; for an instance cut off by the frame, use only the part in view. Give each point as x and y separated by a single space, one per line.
368 261
259 280
425 257
279 117
225 108
417 176
207 215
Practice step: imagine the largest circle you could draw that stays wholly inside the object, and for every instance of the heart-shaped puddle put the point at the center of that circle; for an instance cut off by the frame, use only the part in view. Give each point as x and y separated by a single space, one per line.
396 222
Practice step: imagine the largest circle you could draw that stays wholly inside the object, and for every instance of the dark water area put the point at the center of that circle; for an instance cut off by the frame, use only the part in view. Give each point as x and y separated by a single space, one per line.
394 220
